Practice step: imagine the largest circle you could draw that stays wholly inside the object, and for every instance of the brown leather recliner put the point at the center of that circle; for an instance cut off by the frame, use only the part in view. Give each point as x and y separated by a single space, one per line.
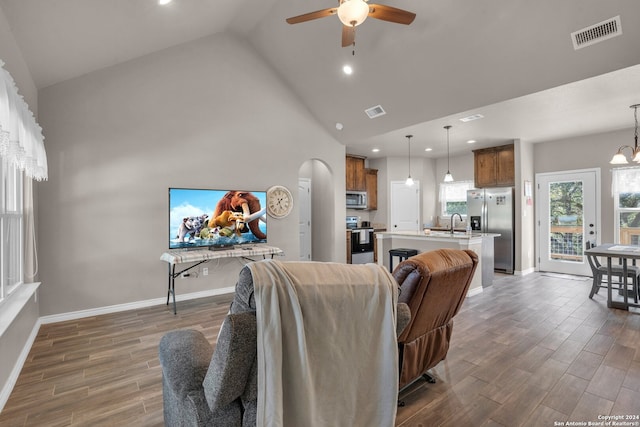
434 285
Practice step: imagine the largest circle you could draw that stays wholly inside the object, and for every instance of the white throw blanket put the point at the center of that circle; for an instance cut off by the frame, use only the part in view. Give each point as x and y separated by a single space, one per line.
327 349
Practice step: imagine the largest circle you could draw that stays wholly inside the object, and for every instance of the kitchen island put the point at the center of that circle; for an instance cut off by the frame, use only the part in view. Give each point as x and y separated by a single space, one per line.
480 243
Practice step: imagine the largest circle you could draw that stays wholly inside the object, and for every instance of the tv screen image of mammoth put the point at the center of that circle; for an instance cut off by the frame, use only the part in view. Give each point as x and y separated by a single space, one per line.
201 218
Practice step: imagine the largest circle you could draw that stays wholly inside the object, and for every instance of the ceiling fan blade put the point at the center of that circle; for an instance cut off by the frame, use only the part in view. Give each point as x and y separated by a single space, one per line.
348 35
391 14
312 15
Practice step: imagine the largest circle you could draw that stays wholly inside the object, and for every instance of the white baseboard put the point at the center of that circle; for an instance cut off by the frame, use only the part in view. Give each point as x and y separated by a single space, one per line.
524 272
132 305
474 291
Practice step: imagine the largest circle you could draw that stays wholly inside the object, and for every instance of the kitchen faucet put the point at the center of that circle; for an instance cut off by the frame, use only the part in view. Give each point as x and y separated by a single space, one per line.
452 223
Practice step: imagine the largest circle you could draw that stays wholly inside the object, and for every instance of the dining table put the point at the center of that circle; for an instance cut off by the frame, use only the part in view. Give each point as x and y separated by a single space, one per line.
624 253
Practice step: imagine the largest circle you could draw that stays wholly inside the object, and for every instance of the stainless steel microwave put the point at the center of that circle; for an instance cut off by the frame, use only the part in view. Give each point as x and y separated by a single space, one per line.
356 200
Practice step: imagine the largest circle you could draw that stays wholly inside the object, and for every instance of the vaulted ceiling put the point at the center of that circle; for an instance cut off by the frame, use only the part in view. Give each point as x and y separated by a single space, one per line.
512 61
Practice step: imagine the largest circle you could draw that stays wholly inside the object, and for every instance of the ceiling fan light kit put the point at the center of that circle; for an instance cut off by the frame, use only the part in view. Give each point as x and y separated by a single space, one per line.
353 12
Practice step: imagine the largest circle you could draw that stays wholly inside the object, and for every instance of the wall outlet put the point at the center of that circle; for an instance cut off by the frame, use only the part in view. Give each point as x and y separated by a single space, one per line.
205 271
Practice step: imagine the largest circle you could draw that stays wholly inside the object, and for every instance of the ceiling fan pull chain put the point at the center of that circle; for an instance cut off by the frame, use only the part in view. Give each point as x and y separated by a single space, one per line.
353 43
353 52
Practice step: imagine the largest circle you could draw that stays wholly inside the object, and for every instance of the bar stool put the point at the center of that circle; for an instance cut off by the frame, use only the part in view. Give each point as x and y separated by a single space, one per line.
402 253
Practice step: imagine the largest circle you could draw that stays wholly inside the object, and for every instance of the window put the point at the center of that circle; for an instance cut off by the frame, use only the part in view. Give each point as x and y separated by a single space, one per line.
453 197
626 195
11 232
22 156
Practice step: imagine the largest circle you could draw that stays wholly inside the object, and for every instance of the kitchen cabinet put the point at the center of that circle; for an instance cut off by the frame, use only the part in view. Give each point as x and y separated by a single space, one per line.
371 186
348 246
355 174
494 167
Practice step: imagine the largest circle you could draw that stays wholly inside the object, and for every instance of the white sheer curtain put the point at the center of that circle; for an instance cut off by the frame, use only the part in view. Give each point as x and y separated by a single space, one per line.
22 146
21 140
625 180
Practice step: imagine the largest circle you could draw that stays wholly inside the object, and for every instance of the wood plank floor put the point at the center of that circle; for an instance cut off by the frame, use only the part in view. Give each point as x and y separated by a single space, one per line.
528 351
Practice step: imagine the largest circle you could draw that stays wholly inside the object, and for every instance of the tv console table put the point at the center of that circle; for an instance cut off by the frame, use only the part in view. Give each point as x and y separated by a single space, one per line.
181 256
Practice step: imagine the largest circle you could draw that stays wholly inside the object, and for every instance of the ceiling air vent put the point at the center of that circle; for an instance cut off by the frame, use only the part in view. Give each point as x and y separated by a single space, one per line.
596 33
471 118
374 112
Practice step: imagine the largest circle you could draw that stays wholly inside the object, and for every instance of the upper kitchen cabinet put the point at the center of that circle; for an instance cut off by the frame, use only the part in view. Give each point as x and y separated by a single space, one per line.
355 174
371 184
494 167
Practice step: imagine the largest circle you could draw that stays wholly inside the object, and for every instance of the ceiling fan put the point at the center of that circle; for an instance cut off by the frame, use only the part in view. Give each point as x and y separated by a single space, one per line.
353 13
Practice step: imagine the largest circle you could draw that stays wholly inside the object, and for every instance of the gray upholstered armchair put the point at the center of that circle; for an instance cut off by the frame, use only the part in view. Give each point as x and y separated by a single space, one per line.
201 390
203 387
207 387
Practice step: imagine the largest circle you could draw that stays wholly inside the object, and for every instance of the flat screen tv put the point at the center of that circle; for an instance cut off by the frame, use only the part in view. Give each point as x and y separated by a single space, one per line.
201 218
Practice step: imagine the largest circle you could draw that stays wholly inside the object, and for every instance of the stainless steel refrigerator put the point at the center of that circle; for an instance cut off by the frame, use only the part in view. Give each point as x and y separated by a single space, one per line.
491 210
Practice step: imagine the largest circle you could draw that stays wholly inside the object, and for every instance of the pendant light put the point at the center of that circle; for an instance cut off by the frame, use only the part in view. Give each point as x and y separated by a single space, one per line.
619 158
448 177
409 181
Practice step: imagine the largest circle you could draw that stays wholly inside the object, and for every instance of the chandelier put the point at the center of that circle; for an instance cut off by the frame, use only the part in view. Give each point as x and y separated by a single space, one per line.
619 158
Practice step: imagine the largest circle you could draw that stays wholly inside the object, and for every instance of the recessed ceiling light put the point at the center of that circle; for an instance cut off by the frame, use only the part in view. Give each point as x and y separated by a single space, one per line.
339 126
428 149
471 141
375 150
347 70
163 2
471 118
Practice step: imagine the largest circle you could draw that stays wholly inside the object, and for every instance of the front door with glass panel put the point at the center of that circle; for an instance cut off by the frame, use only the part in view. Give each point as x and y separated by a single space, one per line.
567 218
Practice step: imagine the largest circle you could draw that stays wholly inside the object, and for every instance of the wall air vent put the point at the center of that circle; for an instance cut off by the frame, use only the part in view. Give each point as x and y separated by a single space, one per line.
376 111
596 33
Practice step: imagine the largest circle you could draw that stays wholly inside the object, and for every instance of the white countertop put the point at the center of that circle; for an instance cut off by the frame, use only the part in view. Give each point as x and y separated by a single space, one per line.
435 235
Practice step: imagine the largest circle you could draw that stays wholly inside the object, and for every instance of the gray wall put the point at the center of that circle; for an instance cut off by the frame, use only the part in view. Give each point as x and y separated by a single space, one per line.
207 114
14 63
524 211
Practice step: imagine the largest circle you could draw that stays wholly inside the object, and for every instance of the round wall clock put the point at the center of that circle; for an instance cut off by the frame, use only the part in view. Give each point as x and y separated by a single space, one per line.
279 201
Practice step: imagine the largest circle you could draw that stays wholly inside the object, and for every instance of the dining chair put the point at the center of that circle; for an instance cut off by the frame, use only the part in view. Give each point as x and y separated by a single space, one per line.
599 272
